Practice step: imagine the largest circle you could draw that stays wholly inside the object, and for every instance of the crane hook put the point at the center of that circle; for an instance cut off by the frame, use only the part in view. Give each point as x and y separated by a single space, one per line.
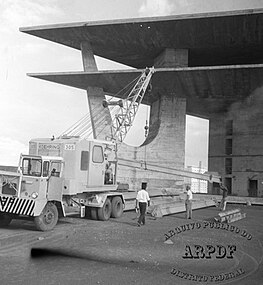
146 128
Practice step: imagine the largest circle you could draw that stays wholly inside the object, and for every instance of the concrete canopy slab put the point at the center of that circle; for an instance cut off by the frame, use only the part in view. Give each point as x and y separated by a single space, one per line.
207 90
220 38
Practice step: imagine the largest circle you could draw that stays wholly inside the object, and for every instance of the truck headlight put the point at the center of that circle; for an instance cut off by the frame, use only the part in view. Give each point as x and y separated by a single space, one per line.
34 195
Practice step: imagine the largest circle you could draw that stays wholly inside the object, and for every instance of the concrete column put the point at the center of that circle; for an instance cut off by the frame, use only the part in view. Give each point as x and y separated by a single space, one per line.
164 146
100 116
216 148
172 58
88 59
168 147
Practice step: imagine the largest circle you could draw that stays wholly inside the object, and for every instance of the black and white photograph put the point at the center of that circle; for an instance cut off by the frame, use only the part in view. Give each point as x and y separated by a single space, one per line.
131 142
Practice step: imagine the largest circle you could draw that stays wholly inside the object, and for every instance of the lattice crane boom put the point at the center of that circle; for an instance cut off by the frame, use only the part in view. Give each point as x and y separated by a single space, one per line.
122 121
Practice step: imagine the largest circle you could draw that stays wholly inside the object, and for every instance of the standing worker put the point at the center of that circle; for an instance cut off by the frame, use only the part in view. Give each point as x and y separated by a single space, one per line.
142 200
108 174
224 195
188 202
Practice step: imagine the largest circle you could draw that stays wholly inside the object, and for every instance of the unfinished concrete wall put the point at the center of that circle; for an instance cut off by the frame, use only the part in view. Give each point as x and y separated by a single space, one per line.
238 156
164 146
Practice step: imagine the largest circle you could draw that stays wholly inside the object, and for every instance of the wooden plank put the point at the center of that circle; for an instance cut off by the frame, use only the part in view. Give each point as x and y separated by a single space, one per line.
177 207
229 212
231 217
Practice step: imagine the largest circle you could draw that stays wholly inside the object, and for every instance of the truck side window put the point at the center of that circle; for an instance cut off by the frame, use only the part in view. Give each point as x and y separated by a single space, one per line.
45 168
56 168
84 160
97 155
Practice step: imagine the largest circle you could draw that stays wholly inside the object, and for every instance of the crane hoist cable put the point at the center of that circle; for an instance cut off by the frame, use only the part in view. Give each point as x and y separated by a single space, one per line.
83 127
122 117
111 104
146 128
84 124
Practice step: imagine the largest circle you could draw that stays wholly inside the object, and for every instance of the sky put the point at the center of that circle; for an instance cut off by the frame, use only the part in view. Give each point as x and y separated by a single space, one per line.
33 108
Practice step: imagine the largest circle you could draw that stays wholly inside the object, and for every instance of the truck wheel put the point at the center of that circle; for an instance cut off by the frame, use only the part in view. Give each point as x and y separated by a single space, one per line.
94 213
87 212
105 212
47 220
5 219
117 207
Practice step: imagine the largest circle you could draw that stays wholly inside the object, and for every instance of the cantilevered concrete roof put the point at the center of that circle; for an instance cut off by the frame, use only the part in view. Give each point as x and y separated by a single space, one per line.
221 38
207 89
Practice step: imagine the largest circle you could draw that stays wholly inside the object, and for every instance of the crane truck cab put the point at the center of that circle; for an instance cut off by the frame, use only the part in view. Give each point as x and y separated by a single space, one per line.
61 175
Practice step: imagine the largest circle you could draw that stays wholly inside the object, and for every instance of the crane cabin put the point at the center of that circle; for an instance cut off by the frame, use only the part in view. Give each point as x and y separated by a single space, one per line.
88 164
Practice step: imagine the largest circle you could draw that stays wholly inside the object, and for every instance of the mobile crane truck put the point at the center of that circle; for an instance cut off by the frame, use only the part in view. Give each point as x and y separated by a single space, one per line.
71 171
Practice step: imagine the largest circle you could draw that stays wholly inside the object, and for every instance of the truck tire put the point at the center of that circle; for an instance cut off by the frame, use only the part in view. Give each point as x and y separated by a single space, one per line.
94 213
47 220
104 213
117 207
5 219
87 212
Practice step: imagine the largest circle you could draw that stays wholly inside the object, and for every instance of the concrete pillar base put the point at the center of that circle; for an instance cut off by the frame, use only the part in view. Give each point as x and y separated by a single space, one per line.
165 146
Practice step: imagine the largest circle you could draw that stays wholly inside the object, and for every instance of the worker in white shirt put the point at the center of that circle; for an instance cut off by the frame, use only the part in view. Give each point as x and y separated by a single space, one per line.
188 202
142 200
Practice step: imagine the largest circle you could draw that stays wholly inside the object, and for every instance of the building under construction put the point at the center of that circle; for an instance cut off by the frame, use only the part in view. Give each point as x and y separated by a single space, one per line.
206 65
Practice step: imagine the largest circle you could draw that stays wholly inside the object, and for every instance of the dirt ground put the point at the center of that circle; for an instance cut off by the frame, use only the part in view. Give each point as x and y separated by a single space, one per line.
82 251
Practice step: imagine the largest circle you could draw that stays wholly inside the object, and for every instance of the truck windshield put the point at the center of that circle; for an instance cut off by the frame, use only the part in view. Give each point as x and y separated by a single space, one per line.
31 166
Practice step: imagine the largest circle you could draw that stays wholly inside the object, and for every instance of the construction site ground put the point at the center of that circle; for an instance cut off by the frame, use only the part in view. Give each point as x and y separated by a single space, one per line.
83 251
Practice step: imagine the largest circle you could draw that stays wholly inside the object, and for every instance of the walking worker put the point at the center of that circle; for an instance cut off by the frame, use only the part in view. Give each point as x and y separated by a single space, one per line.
142 200
188 202
224 196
